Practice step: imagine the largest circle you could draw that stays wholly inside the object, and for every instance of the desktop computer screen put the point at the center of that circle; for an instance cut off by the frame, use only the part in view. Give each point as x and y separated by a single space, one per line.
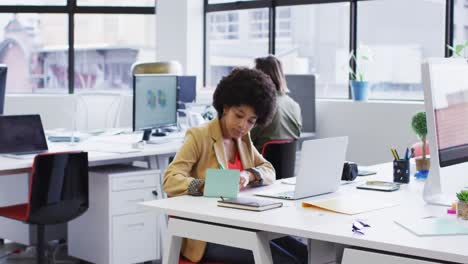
445 82
449 86
3 76
154 102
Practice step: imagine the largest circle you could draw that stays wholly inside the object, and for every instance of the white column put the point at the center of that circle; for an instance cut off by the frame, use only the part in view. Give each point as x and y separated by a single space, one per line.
179 34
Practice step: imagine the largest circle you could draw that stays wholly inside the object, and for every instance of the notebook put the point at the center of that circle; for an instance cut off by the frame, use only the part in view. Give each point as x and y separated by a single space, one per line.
434 226
221 183
248 203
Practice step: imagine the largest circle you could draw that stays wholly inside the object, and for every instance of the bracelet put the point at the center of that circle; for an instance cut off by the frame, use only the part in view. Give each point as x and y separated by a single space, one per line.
257 175
194 187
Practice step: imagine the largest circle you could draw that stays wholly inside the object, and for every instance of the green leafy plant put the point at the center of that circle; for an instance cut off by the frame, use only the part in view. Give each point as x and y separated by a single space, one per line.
463 196
360 58
419 125
458 50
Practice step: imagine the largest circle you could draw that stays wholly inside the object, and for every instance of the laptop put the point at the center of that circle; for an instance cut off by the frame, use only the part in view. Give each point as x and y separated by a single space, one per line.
320 169
21 135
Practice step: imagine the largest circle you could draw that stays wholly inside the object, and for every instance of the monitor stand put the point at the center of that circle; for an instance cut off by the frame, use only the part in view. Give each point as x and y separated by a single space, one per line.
147 134
159 133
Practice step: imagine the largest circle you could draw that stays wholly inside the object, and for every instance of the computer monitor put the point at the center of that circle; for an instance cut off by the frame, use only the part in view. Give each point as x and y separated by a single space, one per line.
302 87
154 103
3 76
186 92
445 83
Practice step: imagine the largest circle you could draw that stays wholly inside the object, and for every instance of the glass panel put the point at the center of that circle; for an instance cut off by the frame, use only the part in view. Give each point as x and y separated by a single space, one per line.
106 46
34 47
460 32
314 39
226 1
148 3
399 44
234 38
33 2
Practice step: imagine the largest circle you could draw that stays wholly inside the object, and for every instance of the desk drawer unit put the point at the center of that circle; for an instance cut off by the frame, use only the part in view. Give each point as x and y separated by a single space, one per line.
134 233
127 202
133 181
116 229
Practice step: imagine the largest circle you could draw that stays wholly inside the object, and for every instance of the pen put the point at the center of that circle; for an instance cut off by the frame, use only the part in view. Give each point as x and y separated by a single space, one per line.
407 154
395 155
412 153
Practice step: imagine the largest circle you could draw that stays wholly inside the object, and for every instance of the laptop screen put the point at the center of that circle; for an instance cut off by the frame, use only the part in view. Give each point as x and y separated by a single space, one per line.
21 134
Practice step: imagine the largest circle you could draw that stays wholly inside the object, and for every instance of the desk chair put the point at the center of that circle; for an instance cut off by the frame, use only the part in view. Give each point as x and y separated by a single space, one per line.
97 111
160 67
58 193
282 155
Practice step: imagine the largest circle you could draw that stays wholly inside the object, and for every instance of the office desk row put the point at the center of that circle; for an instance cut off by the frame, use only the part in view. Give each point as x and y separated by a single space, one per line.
327 232
122 188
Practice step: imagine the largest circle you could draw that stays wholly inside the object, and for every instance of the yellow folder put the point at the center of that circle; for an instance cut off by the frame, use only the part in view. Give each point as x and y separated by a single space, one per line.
349 205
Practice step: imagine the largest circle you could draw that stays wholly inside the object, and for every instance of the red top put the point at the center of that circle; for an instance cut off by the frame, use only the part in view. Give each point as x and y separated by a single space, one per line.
237 165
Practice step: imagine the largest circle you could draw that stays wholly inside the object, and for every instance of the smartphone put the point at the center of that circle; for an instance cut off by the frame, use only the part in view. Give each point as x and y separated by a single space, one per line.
380 186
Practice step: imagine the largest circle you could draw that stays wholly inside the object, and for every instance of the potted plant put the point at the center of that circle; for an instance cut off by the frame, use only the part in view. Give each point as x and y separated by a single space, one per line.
462 206
359 86
458 49
419 125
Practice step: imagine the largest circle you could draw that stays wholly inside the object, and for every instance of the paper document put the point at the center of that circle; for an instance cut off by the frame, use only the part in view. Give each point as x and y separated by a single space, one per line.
349 205
434 226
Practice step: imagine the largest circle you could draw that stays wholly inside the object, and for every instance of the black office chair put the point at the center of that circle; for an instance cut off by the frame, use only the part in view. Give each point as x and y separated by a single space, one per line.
282 155
58 193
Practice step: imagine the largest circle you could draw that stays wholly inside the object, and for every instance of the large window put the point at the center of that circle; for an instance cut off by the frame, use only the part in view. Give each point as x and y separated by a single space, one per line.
230 42
318 36
45 53
148 3
106 46
26 42
33 2
460 33
398 46
317 44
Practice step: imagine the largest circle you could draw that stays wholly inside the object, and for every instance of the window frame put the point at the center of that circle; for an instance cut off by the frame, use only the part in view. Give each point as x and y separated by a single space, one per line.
353 11
70 8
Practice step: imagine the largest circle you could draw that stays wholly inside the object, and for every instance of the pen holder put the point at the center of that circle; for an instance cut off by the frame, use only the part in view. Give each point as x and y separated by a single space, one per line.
401 171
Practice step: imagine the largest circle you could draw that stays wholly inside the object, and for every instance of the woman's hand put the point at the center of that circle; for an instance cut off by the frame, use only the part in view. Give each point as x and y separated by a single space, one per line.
245 178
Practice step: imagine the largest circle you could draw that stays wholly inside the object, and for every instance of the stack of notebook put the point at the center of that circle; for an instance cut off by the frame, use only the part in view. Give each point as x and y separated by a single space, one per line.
248 203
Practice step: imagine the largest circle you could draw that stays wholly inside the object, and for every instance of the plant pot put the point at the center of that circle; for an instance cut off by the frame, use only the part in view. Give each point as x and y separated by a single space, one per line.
423 164
360 90
462 210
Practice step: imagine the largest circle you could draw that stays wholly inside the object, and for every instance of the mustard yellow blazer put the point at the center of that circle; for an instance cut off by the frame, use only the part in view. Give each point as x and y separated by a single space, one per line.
203 149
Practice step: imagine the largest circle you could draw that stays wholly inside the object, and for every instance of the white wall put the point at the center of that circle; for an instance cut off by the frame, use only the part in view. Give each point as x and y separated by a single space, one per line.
179 34
372 127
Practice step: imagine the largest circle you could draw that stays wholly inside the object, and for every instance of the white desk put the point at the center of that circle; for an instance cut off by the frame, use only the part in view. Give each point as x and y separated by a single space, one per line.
14 172
326 229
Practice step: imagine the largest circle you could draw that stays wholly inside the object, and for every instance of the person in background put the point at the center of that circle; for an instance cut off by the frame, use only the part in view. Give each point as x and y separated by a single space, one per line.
242 99
287 121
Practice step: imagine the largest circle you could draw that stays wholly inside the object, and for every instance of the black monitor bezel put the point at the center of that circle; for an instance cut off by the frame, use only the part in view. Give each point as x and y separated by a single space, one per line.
3 71
134 102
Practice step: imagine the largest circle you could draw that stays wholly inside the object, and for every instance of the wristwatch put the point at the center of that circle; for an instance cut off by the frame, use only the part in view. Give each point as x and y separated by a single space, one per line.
257 175
195 187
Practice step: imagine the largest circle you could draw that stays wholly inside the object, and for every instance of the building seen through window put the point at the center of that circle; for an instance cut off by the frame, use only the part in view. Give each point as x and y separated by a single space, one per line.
35 49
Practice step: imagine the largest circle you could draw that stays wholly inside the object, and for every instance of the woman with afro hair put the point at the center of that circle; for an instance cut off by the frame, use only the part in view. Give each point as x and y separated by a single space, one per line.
243 99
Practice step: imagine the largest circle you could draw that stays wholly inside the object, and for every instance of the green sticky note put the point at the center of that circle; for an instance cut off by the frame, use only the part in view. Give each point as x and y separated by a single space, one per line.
221 183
